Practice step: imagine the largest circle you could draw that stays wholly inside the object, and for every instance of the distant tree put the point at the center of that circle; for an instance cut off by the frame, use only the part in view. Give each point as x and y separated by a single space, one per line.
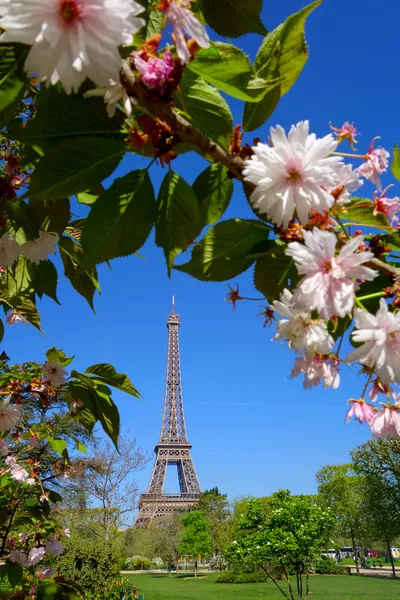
292 534
215 508
105 492
379 457
196 538
341 490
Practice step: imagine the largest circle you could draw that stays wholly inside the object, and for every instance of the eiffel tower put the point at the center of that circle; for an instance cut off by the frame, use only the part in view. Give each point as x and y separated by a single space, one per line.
173 447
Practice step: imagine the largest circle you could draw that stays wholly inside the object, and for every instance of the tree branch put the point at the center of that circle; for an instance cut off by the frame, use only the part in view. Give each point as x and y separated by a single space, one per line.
187 133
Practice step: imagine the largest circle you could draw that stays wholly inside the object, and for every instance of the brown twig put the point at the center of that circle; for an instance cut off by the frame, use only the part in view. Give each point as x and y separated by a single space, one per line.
187 133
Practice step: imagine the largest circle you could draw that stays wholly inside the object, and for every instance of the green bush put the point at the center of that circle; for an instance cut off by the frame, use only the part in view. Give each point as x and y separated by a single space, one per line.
326 565
93 565
256 577
138 563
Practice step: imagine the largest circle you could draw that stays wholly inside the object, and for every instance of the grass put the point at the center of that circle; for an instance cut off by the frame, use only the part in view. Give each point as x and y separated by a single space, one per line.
163 587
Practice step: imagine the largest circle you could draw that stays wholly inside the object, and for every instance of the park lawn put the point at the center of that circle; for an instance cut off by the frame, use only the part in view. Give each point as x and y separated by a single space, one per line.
338 587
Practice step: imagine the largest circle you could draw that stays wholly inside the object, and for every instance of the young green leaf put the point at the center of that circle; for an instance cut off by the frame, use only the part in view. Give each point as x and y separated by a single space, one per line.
121 219
213 189
204 107
56 356
74 166
177 217
274 271
12 80
227 249
361 211
233 18
396 162
107 374
59 446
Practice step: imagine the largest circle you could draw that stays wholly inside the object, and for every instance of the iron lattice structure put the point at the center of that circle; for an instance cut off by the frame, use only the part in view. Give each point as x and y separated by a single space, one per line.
173 447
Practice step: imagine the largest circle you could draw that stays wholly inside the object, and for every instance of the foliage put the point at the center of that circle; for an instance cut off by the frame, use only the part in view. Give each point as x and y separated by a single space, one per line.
218 563
257 577
292 534
196 538
326 565
214 506
138 563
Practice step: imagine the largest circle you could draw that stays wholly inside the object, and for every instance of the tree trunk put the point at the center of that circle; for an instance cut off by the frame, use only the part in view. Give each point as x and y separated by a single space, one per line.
353 541
391 558
195 568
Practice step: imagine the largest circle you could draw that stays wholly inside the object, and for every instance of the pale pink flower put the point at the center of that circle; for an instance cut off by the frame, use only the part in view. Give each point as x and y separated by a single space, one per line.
315 369
113 93
183 21
301 331
53 546
11 542
348 182
67 532
4 448
293 175
23 537
36 555
44 497
380 338
360 410
40 249
9 249
10 415
155 71
389 207
55 373
74 405
16 556
376 163
30 481
16 317
18 473
72 39
386 422
379 388
346 132
33 442
46 573
330 280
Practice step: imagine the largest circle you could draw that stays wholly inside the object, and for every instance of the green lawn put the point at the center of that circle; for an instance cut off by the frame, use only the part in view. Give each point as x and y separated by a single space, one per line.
162 587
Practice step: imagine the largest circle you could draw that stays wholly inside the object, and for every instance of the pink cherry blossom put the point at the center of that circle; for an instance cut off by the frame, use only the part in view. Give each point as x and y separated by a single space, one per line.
23 537
293 175
330 280
386 422
155 71
380 338
4 448
46 573
53 546
389 207
18 473
74 405
346 132
379 388
183 21
348 181
44 497
67 532
15 317
55 373
376 163
360 410
72 39
10 415
19 557
36 555
315 369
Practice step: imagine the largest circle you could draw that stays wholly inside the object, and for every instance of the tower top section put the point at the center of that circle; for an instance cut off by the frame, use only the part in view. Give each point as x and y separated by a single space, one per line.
173 317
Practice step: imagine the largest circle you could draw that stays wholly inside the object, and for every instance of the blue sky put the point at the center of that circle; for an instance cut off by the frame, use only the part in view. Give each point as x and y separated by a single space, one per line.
253 429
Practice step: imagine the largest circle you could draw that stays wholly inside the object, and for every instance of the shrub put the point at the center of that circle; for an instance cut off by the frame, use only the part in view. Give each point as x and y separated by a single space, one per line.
93 565
326 565
138 562
256 577
218 563
157 562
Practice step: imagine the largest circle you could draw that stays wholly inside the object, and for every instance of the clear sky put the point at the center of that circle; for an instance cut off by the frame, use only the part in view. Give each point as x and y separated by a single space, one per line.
253 429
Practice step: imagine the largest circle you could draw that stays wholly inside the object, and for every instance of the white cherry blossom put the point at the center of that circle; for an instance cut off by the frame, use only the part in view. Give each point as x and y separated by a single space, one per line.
380 338
10 250
10 415
55 373
184 21
293 175
330 280
316 369
40 249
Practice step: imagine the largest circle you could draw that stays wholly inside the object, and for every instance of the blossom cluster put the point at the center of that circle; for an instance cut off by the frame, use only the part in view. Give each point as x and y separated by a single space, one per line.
300 184
33 250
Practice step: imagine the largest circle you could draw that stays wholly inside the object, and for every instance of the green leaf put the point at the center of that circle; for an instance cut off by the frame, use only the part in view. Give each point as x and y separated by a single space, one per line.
74 166
86 198
58 446
17 278
77 390
60 117
107 412
107 374
121 220
227 249
361 210
392 240
204 107
214 189
14 573
154 23
44 278
47 590
54 496
274 272
12 80
233 18
396 162
3 516
230 70
50 215
372 287
281 56
177 216
56 356
85 283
